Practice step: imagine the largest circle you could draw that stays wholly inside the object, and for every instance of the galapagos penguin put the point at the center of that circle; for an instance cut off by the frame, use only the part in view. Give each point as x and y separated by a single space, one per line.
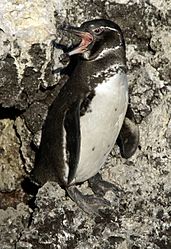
86 117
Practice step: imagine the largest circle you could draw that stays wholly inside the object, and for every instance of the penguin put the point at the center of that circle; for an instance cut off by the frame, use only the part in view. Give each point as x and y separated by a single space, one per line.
85 119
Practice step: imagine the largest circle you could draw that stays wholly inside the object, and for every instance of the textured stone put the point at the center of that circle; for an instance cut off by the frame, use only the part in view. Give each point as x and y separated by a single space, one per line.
12 223
27 31
11 167
26 153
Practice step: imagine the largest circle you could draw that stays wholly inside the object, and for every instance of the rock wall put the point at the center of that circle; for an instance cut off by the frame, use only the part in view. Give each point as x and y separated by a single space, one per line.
140 217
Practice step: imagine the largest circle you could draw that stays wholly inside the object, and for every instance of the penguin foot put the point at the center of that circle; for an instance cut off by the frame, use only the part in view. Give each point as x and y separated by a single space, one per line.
90 204
100 187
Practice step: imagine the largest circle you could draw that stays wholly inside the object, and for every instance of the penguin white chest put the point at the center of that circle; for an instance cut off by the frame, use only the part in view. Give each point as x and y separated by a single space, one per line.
101 125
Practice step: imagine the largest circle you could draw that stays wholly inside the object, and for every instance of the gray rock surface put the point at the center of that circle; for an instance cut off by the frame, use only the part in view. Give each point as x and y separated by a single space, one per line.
140 216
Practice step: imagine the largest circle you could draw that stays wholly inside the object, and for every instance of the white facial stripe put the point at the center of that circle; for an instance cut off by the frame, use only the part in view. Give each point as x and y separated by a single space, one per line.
103 27
113 29
107 51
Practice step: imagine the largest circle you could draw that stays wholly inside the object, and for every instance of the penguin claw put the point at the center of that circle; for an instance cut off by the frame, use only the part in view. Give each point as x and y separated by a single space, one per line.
90 204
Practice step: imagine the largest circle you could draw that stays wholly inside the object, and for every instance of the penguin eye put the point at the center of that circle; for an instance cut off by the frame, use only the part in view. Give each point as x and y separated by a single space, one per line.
98 31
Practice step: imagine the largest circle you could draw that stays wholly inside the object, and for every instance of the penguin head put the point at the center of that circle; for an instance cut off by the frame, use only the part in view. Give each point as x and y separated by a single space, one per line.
98 38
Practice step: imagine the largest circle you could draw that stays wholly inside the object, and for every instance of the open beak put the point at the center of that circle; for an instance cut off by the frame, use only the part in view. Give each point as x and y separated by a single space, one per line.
86 39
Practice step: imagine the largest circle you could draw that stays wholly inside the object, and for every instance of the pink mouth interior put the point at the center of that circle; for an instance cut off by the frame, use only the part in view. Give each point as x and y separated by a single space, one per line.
87 39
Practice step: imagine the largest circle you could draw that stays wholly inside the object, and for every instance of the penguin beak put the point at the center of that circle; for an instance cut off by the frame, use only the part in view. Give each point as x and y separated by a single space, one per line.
86 39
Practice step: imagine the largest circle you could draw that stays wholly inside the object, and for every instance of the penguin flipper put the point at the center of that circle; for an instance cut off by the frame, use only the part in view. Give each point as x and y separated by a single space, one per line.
72 127
60 144
128 138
